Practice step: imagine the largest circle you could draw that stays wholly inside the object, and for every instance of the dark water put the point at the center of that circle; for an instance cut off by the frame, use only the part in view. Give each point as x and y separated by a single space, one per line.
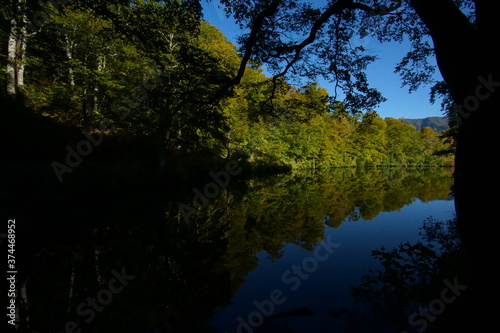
277 254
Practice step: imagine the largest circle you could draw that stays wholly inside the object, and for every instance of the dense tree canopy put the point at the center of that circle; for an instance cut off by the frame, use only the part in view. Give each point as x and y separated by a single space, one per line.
159 77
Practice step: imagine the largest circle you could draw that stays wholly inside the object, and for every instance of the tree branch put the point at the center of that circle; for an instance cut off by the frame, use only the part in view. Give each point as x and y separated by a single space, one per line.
272 9
379 12
336 8
455 42
252 39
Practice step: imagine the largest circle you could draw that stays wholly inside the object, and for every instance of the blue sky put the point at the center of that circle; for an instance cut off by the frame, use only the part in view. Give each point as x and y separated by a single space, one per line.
380 73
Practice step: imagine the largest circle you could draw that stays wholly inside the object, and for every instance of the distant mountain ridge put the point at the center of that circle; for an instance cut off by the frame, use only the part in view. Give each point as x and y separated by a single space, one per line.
437 123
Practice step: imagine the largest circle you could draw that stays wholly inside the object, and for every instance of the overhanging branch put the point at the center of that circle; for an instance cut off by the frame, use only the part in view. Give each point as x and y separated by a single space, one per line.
252 39
258 22
334 9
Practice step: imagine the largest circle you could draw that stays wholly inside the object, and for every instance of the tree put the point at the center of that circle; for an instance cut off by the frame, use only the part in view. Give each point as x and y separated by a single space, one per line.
82 64
403 143
153 69
370 140
187 53
16 12
299 38
23 19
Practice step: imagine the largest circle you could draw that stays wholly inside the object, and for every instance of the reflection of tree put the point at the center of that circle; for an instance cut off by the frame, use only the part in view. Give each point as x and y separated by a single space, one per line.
185 272
412 275
179 274
364 193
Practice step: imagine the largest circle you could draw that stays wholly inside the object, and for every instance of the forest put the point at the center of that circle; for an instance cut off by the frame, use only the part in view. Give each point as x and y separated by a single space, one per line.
114 113
150 88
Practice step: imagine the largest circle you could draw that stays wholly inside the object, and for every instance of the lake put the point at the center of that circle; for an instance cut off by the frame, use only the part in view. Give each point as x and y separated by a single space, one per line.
280 253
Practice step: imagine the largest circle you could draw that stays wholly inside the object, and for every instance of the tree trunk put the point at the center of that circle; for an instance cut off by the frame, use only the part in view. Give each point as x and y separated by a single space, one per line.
101 66
85 111
466 58
69 55
16 49
476 186
11 60
21 47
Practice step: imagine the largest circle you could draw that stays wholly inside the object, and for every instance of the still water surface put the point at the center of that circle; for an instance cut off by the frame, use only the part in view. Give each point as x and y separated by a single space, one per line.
275 254
320 289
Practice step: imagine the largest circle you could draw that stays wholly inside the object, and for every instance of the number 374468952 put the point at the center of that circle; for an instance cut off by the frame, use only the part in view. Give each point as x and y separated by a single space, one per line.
11 236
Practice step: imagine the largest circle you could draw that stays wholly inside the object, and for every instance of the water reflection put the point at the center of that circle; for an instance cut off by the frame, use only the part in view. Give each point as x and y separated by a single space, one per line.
418 282
184 274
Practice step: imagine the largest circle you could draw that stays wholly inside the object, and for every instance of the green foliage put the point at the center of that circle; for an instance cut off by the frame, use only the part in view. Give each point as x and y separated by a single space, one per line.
160 75
303 132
